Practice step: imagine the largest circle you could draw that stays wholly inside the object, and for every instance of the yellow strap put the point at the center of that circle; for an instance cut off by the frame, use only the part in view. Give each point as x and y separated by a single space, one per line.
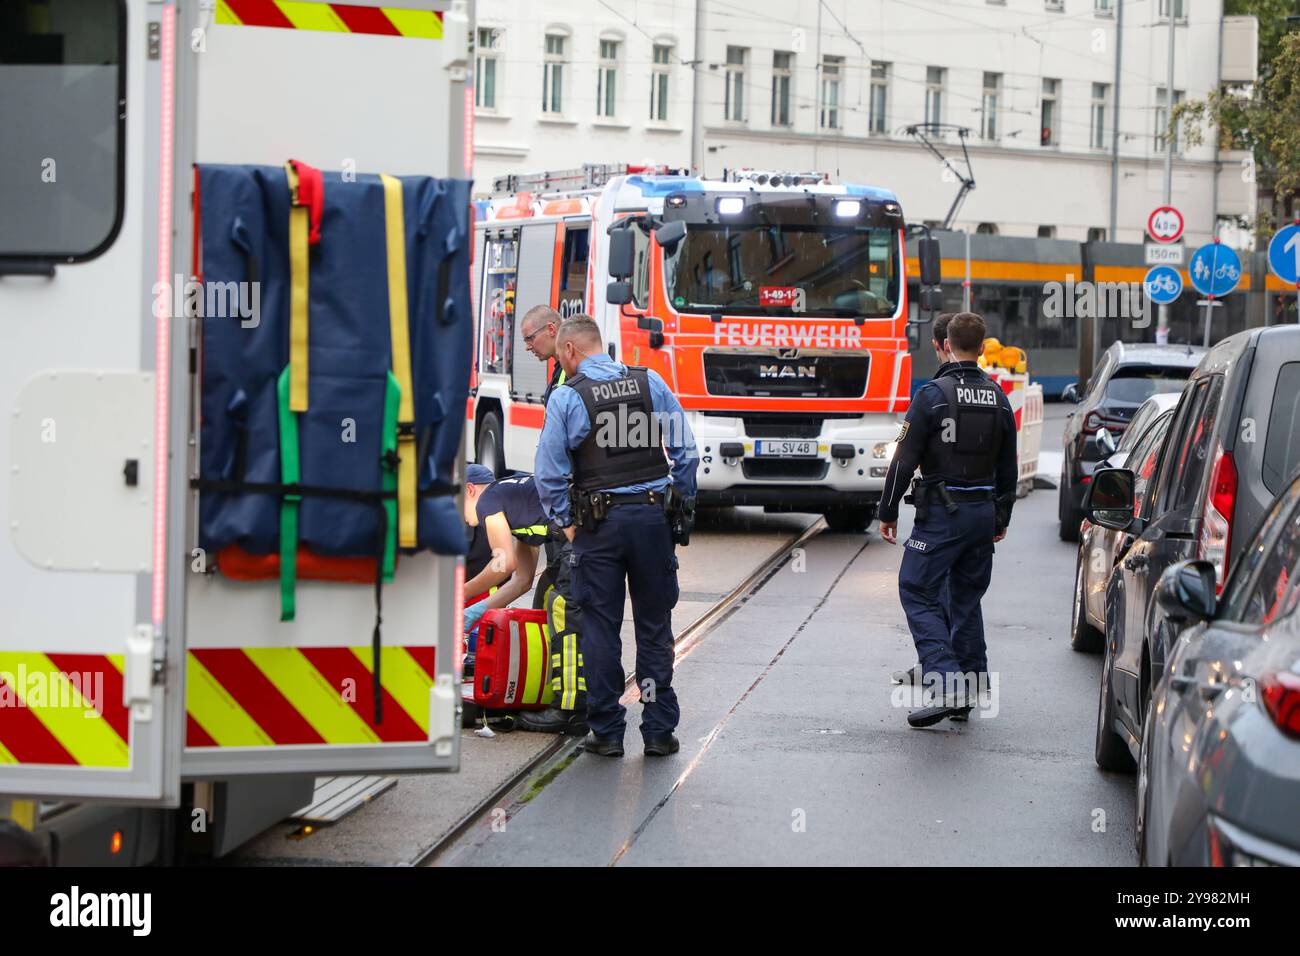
399 333
298 230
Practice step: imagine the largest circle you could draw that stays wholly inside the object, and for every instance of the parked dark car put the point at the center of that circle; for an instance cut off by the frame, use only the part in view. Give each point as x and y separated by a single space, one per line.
1232 442
1126 376
1219 768
1100 548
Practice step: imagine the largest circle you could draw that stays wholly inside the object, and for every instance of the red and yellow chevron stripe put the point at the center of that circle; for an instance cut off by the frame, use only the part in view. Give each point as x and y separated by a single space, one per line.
67 710
331 17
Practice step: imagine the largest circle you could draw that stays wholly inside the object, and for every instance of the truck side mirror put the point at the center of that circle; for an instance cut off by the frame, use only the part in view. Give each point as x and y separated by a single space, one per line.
669 235
622 253
618 293
927 256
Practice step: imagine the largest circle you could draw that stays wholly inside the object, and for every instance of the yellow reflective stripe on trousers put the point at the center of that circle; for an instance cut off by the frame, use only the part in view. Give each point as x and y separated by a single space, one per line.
569 700
400 337
219 714
319 702
298 291
89 738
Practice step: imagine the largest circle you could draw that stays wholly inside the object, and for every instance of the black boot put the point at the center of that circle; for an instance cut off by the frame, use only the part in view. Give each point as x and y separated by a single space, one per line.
604 746
945 708
552 720
910 676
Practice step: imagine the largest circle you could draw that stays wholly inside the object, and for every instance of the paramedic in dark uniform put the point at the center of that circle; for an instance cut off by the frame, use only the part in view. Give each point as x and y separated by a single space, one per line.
961 431
510 514
606 431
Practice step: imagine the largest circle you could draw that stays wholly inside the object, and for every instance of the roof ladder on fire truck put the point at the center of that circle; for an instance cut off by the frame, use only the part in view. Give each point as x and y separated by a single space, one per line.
587 177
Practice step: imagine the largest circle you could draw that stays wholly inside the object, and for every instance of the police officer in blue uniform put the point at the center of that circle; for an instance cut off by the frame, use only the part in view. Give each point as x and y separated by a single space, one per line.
961 432
605 481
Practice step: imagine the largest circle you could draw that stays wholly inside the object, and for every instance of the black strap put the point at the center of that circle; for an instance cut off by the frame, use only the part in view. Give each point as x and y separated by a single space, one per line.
435 490
635 497
376 636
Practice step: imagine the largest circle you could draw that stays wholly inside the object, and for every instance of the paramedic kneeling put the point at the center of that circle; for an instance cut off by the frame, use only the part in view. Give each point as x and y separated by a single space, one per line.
961 432
605 433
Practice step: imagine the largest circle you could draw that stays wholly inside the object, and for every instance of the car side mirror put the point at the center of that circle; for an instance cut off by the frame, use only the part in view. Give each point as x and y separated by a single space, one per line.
1109 501
618 293
622 252
927 258
669 235
1071 393
1186 592
1105 440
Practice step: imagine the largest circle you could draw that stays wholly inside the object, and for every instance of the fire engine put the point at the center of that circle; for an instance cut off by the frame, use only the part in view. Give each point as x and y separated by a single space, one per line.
774 304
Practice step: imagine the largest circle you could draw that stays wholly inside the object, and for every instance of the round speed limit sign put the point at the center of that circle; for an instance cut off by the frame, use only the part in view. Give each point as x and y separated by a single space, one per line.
1165 224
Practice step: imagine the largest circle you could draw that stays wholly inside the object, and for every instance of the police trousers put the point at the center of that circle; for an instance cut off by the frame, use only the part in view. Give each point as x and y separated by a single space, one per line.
946 567
630 552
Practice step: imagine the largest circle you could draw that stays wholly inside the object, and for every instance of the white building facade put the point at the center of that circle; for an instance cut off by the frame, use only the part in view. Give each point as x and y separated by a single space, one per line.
834 85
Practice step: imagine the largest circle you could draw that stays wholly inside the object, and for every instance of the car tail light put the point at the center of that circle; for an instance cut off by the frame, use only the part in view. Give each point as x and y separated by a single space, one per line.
1091 422
1279 691
1216 522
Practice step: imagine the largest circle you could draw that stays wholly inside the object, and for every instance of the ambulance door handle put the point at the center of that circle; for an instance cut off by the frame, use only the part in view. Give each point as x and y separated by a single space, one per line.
137 684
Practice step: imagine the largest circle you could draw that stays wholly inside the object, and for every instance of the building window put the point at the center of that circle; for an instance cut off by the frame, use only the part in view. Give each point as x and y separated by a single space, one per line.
1097 131
1096 234
553 74
1180 10
1104 8
607 80
1046 232
1162 118
485 69
989 105
734 106
935 76
879 97
1049 135
660 72
782 69
830 92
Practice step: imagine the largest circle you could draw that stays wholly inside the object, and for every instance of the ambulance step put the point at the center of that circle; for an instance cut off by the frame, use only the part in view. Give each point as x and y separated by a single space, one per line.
336 797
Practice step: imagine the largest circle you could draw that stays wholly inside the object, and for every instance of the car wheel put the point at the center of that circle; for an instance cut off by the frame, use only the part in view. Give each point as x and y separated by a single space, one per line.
1083 636
849 520
491 449
1066 512
1110 752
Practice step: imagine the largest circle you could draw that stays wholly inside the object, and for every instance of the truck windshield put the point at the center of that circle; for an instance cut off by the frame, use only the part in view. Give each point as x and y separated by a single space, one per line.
775 269
61 163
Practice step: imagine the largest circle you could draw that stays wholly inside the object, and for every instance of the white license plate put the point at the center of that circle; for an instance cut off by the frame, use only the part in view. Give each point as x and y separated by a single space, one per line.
785 448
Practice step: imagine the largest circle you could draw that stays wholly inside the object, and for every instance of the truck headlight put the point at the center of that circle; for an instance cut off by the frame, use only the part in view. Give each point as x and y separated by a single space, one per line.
884 451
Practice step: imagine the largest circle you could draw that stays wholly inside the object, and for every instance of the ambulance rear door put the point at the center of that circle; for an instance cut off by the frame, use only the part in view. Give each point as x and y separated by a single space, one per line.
372 87
90 703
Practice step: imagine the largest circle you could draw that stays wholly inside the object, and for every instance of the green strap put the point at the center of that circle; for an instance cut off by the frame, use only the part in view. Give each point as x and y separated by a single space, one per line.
388 455
290 474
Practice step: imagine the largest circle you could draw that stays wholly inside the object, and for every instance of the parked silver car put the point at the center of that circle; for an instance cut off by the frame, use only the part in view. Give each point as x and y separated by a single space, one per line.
1100 548
1219 765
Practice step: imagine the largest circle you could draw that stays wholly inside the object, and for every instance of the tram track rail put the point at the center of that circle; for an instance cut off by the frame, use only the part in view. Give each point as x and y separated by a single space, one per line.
530 779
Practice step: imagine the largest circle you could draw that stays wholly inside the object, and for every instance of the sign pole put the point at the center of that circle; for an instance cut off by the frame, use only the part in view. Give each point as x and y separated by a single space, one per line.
1209 311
